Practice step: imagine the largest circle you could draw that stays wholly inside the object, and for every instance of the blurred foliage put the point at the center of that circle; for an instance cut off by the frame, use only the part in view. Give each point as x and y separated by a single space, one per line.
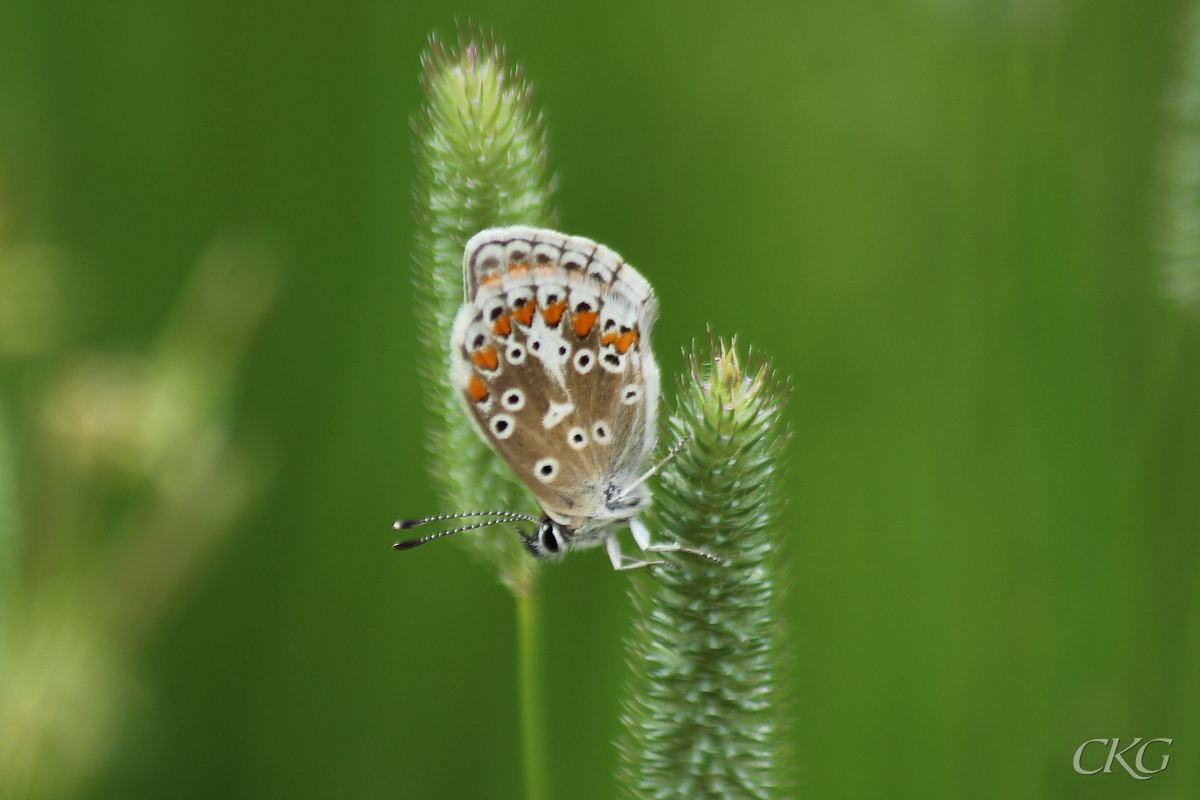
123 474
939 216
1179 223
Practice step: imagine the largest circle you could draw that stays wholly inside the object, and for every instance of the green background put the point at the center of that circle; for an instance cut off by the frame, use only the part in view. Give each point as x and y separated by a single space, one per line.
937 216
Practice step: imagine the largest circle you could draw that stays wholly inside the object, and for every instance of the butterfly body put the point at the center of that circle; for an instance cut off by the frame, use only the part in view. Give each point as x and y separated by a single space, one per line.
550 355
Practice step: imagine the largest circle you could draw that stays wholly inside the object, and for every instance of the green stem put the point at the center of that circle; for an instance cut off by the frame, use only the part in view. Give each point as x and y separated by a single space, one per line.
529 678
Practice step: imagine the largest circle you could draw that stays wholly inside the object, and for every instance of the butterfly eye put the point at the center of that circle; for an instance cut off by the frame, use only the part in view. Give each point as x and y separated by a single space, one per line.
546 469
502 426
549 540
514 399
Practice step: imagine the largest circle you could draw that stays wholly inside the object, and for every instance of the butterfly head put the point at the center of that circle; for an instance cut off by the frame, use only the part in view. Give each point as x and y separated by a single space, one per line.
548 541
551 539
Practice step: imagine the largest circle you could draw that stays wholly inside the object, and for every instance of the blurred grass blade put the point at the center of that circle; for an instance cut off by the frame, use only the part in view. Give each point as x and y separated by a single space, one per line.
703 717
8 521
481 155
131 470
1179 226
202 477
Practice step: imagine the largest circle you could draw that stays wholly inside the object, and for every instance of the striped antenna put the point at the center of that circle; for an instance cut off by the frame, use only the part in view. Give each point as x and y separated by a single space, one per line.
405 524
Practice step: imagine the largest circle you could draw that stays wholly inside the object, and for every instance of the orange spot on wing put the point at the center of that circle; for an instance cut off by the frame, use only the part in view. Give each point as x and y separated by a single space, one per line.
608 338
518 269
502 326
486 357
626 340
490 278
476 390
583 322
553 313
524 314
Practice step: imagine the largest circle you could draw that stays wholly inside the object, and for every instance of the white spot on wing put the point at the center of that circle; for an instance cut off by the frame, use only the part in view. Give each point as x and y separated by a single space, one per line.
556 414
502 426
577 438
492 309
519 296
611 360
477 336
584 361
546 469
489 258
573 259
550 348
546 254
513 399
598 271
517 251
601 432
550 293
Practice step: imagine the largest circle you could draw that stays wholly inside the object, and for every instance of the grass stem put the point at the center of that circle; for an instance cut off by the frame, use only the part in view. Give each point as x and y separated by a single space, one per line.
529 677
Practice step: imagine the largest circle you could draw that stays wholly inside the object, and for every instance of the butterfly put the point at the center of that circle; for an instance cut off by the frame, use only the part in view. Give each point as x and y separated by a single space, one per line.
550 356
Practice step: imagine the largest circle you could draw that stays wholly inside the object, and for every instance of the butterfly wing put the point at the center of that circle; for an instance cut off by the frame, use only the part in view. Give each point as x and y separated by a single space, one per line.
551 357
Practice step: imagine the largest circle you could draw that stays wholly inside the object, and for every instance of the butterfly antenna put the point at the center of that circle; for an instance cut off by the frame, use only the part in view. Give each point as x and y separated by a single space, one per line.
411 543
405 524
650 472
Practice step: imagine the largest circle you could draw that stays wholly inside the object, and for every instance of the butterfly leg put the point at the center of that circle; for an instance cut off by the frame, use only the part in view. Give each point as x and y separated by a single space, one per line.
641 535
620 561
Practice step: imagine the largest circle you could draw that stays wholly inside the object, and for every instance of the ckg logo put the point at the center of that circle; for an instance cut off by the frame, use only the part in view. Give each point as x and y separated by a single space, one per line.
1138 770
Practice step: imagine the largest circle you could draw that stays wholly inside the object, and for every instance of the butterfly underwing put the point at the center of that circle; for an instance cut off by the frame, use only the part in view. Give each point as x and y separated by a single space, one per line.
551 356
